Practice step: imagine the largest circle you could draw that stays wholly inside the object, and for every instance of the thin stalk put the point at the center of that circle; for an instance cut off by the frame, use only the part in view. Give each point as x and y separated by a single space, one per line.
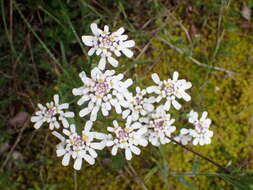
201 156
36 35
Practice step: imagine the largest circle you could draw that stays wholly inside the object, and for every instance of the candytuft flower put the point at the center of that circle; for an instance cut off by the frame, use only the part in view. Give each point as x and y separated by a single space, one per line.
127 138
138 105
170 89
159 124
79 147
201 134
52 113
104 44
102 90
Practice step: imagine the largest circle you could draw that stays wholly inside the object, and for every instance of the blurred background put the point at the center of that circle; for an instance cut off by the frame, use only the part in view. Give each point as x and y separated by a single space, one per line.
209 42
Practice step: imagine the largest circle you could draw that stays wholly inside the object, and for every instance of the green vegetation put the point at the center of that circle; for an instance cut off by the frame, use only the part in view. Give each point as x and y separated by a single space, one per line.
208 42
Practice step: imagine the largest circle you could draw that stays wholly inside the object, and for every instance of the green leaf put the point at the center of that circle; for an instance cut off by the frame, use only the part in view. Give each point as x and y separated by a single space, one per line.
186 183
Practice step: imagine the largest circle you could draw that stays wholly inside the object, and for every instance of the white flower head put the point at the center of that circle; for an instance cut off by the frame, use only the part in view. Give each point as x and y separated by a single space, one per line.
104 44
79 147
52 113
102 90
128 138
138 105
159 126
201 134
170 89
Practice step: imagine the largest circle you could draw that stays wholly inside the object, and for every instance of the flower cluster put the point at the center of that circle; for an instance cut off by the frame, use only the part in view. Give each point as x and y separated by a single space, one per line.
104 44
200 134
52 113
143 114
102 90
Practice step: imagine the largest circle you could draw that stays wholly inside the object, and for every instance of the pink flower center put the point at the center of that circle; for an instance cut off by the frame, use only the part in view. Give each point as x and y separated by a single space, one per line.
138 100
122 134
105 41
169 88
158 125
101 87
199 126
50 112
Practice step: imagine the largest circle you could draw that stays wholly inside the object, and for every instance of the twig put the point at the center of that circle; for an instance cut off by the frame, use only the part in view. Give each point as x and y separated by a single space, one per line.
195 60
201 156
136 177
15 144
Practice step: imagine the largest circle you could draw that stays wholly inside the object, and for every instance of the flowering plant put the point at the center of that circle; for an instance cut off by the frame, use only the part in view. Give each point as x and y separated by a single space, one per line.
145 111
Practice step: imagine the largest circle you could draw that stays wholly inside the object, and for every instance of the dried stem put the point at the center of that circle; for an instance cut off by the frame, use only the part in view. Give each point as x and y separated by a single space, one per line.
195 60
201 156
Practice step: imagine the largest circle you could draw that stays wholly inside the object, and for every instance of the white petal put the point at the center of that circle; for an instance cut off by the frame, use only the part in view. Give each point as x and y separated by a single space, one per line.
65 123
186 96
66 132
106 28
135 150
65 160
127 52
60 152
58 135
114 150
125 114
102 63
63 106
88 125
175 76
69 114
77 91
78 163
93 153
89 159
128 154
94 29
36 118
95 72
82 99
128 83
123 37
84 112
38 124
93 115
128 44
195 141
176 104
91 51
113 61
56 99
115 123
88 40
97 146
156 78
119 32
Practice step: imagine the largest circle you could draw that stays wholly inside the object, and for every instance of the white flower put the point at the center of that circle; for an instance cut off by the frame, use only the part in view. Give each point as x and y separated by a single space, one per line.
49 114
201 134
184 137
127 137
79 147
159 127
138 105
105 43
170 89
102 90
